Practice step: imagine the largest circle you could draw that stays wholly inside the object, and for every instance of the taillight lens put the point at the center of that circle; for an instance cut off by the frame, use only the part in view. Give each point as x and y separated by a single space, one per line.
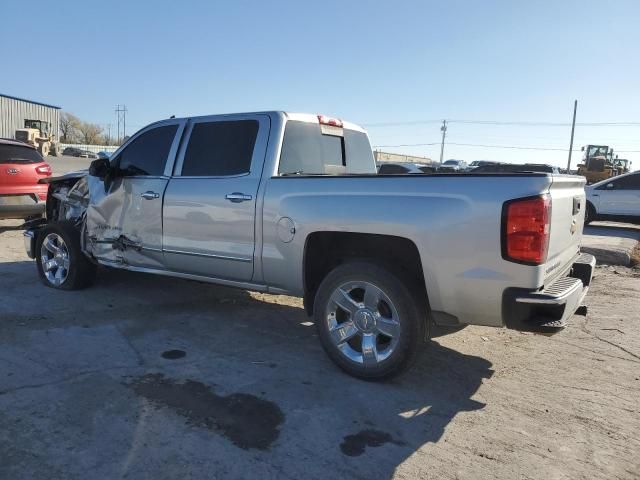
44 169
526 230
42 196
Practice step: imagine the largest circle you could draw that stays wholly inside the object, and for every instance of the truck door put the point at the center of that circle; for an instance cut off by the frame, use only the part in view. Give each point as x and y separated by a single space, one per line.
210 202
124 216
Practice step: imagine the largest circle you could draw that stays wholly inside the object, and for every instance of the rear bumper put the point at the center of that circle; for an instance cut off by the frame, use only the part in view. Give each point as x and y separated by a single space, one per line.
20 204
21 210
550 308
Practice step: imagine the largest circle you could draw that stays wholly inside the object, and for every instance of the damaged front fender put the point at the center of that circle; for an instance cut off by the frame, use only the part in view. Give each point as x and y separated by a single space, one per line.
117 224
67 198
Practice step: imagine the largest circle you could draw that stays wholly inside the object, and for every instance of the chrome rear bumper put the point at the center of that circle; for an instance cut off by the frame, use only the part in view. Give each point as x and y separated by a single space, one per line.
550 308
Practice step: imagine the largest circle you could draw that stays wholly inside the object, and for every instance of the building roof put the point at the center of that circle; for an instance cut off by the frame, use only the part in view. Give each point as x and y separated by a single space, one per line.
29 101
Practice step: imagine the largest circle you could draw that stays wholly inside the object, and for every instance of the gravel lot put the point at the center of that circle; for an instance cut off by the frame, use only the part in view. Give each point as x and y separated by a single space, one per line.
64 164
150 377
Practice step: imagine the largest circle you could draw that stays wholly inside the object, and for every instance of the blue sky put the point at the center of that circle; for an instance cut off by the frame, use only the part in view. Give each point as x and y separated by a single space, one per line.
368 62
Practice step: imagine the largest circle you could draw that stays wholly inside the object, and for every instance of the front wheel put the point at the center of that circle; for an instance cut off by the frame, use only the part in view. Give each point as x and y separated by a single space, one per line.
61 263
369 321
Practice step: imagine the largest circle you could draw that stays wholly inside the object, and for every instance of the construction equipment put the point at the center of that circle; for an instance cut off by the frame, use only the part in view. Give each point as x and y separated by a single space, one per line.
597 163
37 133
622 165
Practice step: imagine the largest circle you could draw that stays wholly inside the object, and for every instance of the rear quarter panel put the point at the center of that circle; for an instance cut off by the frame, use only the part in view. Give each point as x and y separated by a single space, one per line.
455 222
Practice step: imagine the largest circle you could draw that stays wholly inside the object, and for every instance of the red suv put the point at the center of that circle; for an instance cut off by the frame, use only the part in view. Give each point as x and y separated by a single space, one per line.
21 166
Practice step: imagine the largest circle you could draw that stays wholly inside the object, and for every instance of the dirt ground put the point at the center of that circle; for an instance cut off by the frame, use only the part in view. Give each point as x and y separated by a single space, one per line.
149 377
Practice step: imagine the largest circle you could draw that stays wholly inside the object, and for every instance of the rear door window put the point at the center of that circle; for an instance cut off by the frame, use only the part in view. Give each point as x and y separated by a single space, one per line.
307 151
19 154
219 149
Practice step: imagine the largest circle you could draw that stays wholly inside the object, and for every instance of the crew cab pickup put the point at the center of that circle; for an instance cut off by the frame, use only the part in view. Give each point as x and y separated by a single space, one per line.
292 204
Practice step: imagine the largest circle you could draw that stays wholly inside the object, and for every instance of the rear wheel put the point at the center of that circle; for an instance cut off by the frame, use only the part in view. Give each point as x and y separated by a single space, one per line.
369 322
61 263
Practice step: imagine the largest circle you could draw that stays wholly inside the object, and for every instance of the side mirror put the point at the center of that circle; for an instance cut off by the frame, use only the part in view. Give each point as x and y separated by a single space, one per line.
100 168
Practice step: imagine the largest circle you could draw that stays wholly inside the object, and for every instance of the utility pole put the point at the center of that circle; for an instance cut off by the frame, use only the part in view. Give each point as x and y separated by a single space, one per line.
121 115
573 128
443 129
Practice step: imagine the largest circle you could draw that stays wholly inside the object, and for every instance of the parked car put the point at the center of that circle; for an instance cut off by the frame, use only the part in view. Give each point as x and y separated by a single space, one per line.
617 198
481 163
77 152
453 166
71 152
21 167
292 204
87 154
397 168
516 168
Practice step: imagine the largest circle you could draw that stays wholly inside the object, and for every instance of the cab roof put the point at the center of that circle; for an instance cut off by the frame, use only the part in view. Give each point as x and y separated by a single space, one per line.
294 116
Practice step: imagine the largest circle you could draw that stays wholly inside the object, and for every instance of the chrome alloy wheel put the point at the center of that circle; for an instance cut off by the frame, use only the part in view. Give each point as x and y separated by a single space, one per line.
363 322
54 257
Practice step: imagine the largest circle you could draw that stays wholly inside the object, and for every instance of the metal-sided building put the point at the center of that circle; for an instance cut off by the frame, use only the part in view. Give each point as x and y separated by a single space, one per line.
14 111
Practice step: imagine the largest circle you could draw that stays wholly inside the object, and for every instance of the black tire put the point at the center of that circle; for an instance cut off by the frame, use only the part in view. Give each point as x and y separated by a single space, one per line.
407 302
590 214
81 271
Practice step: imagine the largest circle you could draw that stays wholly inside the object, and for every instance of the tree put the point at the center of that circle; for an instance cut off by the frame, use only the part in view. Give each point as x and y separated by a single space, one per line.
89 133
69 124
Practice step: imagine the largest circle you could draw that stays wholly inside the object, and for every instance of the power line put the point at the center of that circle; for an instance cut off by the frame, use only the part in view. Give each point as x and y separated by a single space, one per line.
503 123
546 124
513 147
400 124
407 145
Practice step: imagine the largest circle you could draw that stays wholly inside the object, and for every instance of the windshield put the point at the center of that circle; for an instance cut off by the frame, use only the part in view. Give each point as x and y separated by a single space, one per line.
451 162
18 154
597 151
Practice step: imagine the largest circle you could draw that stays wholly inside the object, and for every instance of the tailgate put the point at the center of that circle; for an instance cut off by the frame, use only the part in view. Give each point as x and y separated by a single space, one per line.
18 174
568 205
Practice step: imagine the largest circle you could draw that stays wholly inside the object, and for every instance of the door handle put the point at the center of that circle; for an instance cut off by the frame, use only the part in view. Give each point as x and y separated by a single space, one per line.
596 194
150 195
237 197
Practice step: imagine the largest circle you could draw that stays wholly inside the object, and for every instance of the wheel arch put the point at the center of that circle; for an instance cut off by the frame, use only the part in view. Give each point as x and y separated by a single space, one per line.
325 250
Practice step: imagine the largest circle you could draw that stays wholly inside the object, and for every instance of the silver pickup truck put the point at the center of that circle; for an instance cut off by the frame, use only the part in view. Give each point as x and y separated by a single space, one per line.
291 204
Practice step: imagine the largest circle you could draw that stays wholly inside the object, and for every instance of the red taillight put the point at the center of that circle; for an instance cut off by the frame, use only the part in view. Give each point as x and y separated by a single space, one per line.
44 169
334 122
42 196
526 230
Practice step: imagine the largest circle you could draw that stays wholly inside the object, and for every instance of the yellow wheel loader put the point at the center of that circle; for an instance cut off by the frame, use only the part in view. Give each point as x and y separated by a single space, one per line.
37 133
